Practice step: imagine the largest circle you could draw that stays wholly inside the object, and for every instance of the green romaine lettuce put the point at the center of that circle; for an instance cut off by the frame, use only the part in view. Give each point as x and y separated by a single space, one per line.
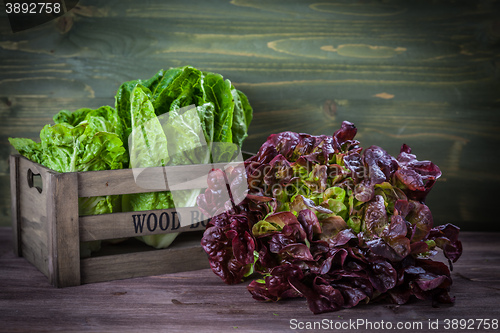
84 140
225 111
223 116
91 143
148 148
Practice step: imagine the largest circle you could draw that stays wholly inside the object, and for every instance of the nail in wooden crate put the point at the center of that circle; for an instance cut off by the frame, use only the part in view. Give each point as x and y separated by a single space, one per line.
48 229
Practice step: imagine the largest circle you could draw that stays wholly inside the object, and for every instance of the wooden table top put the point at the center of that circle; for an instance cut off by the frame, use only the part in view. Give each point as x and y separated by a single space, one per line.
198 301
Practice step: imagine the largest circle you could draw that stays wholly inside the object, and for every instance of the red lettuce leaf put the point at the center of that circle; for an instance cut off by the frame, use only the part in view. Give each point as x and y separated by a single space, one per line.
354 229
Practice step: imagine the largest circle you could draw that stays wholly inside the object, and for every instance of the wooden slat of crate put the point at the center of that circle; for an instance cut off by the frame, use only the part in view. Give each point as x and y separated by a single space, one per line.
115 182
14 197
185 254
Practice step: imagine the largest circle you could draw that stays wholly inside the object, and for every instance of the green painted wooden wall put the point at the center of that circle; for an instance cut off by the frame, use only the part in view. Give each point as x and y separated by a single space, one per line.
424 73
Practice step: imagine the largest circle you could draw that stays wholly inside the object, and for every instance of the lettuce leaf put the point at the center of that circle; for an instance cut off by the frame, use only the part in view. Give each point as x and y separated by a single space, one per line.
149 150
90 143
164 133
84 140
331 222
225 111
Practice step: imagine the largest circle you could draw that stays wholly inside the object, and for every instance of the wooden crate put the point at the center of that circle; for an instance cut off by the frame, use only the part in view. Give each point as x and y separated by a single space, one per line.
48 229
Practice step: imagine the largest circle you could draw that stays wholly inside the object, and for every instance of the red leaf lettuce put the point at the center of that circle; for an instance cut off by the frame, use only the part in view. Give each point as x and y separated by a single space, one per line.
329 222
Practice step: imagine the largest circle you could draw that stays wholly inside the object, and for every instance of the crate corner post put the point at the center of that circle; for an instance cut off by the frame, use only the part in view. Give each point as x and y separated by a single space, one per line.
15 210
64 268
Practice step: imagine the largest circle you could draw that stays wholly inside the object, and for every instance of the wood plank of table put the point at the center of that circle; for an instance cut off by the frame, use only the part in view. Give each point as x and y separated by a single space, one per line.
198 301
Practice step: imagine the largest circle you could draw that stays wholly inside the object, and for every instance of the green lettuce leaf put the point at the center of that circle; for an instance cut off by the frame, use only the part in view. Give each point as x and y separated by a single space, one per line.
242 116
179 87
175 139
85 140
148 148
225 111
220 118
28 148
217 91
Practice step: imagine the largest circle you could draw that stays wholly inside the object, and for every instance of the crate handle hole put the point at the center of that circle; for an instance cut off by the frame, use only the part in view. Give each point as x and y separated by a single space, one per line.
35 180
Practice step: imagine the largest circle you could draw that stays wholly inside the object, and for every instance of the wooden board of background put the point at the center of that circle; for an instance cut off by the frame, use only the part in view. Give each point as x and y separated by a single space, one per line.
424 73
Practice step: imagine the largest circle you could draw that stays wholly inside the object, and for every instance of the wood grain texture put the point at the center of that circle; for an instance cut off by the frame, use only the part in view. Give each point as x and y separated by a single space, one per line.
34 214
198 301
140 180
423 73
185 254
46 224
14 195
64 237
